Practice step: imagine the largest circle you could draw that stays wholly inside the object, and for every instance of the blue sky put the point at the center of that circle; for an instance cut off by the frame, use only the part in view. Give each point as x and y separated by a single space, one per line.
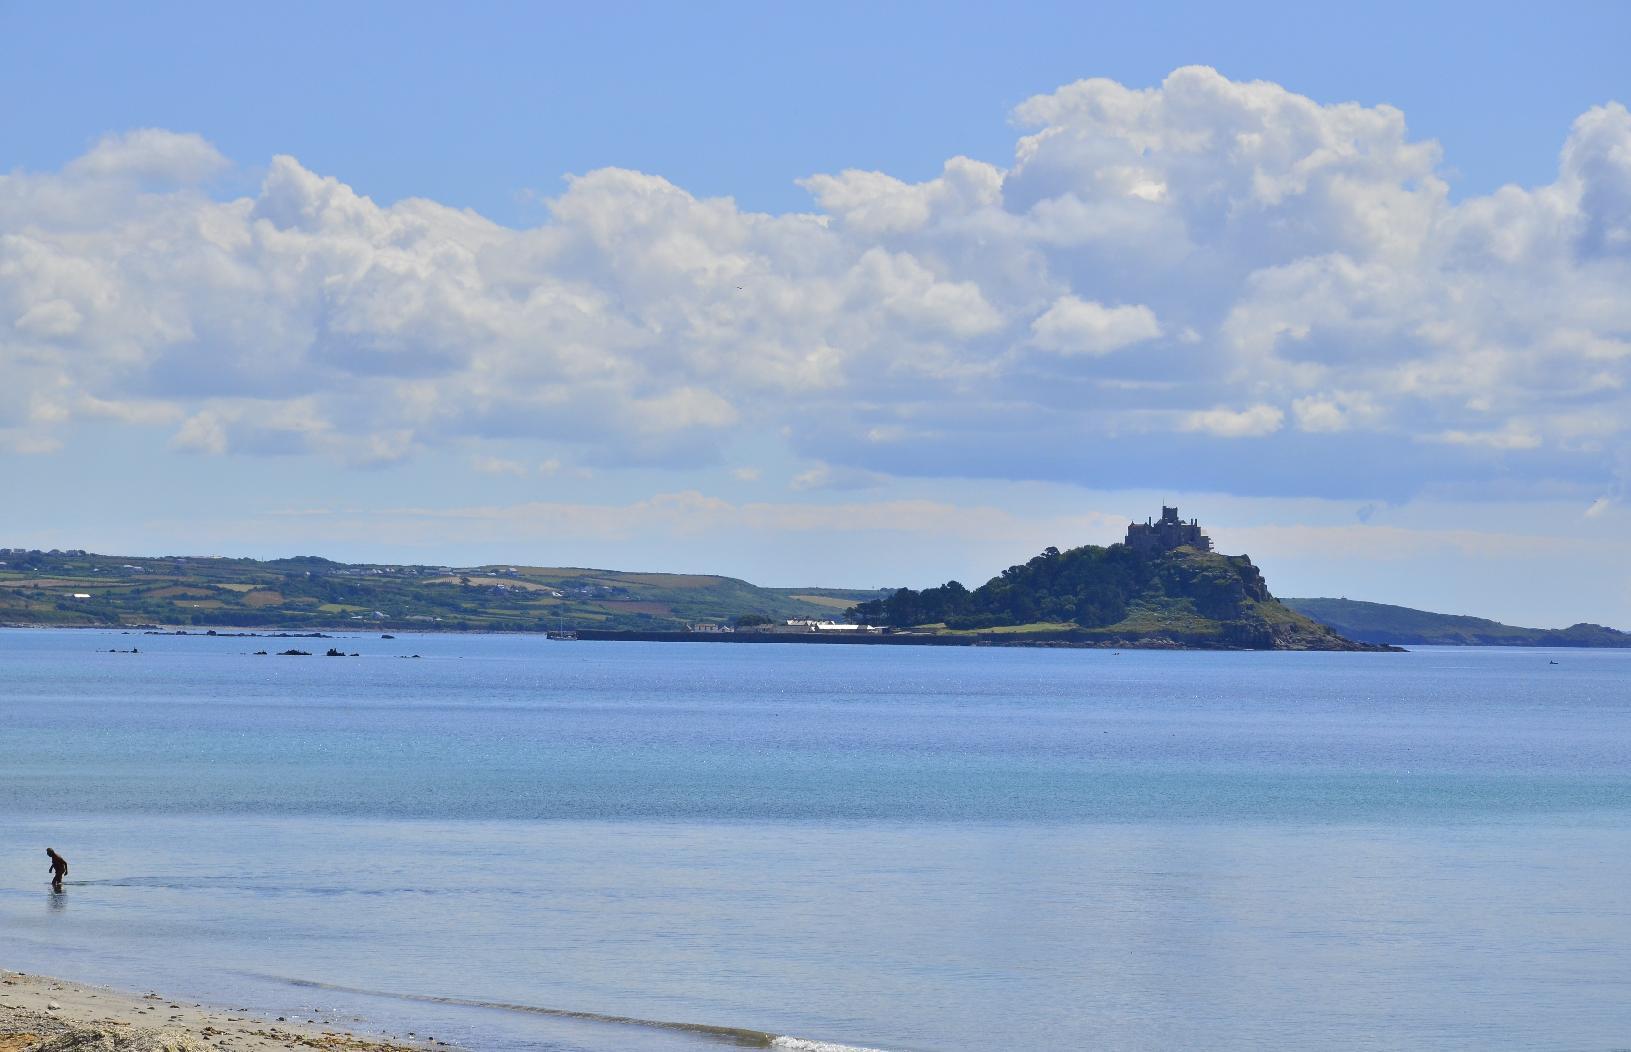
853 295
478 107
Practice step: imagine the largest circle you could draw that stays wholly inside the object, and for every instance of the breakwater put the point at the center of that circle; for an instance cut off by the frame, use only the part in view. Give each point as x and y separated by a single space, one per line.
841 638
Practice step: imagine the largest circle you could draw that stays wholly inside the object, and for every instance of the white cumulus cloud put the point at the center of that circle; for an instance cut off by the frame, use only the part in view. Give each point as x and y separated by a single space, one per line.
1155 269
1253 422
1077 326
150 153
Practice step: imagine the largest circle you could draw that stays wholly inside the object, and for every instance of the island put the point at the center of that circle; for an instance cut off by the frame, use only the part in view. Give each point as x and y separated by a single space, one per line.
1162 587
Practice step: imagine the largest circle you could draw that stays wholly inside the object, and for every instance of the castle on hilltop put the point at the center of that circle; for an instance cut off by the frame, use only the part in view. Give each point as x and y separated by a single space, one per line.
1153 538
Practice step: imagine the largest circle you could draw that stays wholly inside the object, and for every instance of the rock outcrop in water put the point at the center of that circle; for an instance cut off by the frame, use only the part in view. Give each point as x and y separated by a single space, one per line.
1164 587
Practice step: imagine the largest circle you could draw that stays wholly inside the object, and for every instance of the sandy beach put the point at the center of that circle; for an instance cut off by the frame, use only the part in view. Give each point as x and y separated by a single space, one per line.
41 1014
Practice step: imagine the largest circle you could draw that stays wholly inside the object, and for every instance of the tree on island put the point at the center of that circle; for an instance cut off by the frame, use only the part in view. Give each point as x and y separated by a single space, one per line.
1090 586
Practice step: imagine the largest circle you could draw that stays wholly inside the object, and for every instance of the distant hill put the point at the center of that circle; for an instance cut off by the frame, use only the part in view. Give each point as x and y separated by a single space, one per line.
308 592
1163 588
1381 623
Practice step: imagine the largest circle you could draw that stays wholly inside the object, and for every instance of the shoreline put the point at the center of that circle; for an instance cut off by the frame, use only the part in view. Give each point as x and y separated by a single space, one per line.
1081 640
1017 640
42 1012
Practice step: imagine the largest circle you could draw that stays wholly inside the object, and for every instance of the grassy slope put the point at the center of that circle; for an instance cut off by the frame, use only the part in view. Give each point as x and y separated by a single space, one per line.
833 600
1171 607
309 593
1379 622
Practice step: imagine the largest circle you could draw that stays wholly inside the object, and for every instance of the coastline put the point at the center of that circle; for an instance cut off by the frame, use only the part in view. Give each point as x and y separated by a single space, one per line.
56 1015
1077 640
40 1013
1081 640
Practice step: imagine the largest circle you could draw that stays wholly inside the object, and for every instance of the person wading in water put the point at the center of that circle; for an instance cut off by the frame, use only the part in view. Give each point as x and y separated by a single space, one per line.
59 869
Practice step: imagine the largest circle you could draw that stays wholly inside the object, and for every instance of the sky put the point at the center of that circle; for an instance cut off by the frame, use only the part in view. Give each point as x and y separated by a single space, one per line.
846 295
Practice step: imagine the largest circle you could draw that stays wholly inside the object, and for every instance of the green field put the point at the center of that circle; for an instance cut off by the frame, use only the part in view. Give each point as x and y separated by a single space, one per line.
309 593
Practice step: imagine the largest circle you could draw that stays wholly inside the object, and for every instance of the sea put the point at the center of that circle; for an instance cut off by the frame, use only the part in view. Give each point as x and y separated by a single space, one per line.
511 843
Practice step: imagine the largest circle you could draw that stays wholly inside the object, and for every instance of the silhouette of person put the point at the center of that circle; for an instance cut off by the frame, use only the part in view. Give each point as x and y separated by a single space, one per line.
59 869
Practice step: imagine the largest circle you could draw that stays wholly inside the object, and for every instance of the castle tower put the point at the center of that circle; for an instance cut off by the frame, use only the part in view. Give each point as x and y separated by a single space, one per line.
1154 538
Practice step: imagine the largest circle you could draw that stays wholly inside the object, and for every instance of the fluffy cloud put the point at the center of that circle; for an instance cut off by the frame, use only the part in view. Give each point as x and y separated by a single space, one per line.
1245 423
1155 270
1074 326
1337 411
150 153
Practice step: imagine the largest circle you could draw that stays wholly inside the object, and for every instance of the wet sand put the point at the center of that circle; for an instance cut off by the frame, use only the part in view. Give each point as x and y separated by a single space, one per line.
52 1015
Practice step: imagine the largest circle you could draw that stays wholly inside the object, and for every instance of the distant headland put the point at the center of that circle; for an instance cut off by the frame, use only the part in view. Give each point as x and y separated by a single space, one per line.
1382 623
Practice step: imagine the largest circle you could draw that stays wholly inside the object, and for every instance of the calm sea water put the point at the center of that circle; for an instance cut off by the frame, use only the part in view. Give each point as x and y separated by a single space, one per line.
910 849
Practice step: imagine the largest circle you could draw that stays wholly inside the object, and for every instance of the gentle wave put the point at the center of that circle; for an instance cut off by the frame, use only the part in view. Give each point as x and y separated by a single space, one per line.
171 884
742 1037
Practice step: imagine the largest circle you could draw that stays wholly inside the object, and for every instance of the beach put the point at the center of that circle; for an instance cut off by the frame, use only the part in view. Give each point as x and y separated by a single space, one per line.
54 1015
